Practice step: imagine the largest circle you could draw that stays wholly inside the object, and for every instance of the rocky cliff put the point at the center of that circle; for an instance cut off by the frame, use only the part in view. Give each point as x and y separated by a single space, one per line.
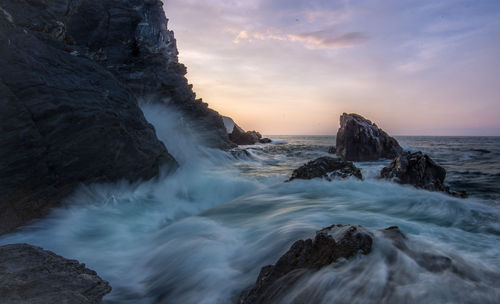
72 76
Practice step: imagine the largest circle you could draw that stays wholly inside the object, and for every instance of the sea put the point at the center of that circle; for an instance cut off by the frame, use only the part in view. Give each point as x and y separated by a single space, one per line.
202 234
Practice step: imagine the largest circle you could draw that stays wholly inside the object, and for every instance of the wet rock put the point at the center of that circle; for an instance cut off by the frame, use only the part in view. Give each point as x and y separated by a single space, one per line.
358 139
419 170
329 245
328 168
29 274
332 150
265 140
64 119
72 74
239 137
240 153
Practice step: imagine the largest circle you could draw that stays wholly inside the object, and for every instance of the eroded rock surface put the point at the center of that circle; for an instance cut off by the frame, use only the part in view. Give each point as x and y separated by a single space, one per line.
419 170
29 274
72 75
358 139
329 245
327 168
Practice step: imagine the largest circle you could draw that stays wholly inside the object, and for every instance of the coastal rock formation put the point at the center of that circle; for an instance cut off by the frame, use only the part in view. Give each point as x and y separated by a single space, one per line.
329 245
29 274
332 150
358 139
419 170
328 168
72 76
238 136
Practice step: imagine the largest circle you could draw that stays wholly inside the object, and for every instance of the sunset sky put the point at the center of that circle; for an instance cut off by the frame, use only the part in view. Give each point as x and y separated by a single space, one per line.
292 67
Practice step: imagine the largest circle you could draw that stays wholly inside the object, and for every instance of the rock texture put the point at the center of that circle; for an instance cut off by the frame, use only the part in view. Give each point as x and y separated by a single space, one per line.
29 274
328 168
358 139
329 245
419 170
68 115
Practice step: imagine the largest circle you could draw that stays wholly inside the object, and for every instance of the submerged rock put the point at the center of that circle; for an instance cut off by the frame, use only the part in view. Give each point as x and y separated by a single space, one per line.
358 139
329 245
328 168
240 153
419 170
29 274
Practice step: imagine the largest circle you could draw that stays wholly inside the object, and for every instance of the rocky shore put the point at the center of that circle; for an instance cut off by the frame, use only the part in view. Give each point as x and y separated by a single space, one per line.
29 274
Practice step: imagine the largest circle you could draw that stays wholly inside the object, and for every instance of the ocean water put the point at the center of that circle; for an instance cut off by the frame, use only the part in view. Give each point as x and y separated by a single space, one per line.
202 234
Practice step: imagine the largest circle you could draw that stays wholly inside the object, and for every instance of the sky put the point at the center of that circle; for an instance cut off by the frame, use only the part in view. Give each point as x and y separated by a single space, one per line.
294 66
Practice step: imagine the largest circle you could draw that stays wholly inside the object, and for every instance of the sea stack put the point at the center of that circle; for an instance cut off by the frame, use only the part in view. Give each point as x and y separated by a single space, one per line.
358 139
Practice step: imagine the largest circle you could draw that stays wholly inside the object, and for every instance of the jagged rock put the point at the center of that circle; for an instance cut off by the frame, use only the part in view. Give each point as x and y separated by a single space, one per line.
326 167
65 119
329 245
238 136
229 124
332 150
419 170
72 74
29 274
131 39
244 138
358 139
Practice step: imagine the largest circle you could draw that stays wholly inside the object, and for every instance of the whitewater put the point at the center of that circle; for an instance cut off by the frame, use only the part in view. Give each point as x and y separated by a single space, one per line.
202 234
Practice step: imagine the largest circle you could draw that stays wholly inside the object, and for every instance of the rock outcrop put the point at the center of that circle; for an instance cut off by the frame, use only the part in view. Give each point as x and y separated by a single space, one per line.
29 274
419 170
358 139
238 136
329 245
327 168
72 75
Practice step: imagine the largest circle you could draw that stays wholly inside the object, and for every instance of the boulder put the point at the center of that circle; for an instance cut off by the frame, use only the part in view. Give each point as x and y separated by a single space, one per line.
332 150
29 274
327 168
239 137
419 170
329 245
265 140
358 139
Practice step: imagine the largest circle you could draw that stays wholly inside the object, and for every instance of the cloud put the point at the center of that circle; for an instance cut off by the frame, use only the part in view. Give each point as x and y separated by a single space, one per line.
327 39
324 39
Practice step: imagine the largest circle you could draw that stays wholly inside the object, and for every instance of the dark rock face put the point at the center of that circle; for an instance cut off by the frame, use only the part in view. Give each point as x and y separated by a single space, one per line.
130 39
66 117
358 139
332 150
265 140
239 137
29 274
328 168
419 170
329 245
